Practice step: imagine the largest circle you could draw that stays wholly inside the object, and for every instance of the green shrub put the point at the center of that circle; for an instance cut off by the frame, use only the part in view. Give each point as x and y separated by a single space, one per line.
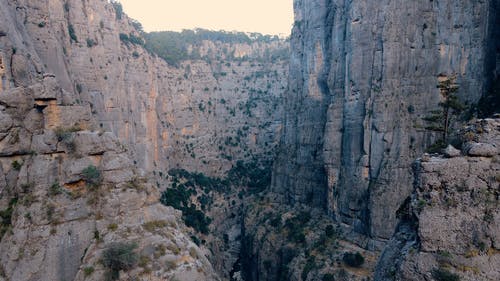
135 39
295 226
72 34
329 231
92 176
50 212
16 165
178 197
328 277
144 261
196 219
119 256
196 240
441 274
112 226
6 217
63 134
152 226
42 24
118 9
254 175
310 265
87 271
91 43
55 189
353 259
131 38
437 147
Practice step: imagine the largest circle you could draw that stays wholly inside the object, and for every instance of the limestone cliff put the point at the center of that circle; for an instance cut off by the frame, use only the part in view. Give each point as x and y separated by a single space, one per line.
69 181
451 224
196 116
363 74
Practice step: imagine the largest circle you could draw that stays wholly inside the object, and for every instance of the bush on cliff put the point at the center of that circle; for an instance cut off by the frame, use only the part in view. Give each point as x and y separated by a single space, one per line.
353 259
119 256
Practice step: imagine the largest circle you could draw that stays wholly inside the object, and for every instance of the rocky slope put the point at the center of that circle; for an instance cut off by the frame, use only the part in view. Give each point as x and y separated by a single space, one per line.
451 223
362 76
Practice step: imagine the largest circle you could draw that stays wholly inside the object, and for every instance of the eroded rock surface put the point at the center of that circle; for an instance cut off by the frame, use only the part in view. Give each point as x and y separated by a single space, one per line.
363 75
451 224
68 188
199 115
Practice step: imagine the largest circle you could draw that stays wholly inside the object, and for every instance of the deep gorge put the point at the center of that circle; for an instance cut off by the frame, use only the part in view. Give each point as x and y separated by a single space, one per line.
230 156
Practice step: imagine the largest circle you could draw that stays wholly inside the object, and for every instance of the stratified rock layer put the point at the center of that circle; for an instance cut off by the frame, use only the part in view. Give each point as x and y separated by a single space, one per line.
362 76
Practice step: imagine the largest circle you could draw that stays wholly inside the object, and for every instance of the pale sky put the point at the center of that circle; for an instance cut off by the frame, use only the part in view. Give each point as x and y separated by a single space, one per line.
265 16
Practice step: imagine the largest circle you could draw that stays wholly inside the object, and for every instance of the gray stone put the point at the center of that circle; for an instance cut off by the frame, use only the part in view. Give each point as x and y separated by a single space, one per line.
94 143
16 142
451 151
72 168
44 143
17 98
6 122
47 89
482 150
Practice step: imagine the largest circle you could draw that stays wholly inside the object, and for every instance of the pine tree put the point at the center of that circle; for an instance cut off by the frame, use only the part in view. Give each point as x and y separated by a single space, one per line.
450 107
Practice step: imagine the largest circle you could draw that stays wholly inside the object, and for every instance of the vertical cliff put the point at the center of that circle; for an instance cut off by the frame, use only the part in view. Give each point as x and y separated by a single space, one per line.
362 76
69 190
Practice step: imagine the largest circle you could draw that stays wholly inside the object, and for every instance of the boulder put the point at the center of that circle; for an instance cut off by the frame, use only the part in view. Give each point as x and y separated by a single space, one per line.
451 151
482 150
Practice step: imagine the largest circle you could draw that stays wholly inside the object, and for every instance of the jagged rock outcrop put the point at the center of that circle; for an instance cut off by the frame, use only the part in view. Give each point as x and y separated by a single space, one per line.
451 223
362 76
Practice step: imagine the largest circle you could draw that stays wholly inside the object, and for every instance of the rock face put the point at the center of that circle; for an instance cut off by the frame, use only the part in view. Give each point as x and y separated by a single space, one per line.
197 116
68 188
362 76
451 224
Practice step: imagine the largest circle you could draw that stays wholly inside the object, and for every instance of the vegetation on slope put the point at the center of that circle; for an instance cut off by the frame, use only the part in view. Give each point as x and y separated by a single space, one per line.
192 193
174 47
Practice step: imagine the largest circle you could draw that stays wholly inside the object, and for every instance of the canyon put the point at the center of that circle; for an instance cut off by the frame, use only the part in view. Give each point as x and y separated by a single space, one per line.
257 159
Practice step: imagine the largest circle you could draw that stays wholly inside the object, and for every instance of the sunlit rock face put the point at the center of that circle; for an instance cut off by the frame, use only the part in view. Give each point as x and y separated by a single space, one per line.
362 76
199 115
